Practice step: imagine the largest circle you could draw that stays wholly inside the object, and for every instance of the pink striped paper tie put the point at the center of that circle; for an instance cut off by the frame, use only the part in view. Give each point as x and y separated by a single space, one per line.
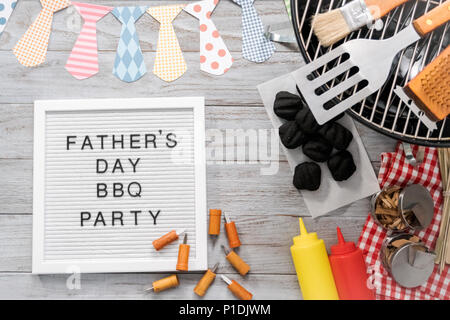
83 60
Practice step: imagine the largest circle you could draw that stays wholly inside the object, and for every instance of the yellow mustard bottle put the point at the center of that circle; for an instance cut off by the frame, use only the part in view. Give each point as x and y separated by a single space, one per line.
313 267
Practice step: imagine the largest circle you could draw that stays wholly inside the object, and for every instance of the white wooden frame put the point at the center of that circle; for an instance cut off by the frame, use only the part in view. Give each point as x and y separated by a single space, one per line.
39 265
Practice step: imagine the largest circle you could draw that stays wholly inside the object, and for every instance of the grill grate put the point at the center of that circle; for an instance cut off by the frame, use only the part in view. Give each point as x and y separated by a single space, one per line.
383 110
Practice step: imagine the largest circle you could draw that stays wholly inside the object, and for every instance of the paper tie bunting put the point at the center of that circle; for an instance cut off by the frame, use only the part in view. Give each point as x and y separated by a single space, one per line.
6 8
32 47
83 60
129 64
255 47
169 61
214 55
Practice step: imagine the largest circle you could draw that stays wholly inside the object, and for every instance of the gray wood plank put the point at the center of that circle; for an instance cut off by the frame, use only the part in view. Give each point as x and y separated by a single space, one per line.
231 187
16 132
265 241
67 24
265 208
259 194
131 286
52 81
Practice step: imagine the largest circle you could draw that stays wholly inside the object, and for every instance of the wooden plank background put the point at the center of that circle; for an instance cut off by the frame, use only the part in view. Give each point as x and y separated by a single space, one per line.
265 207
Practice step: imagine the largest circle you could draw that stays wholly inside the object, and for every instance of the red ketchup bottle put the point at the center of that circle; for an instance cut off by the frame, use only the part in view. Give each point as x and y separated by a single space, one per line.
349 271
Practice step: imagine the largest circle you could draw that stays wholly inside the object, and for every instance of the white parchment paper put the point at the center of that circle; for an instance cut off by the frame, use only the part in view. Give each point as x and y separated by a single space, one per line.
331 194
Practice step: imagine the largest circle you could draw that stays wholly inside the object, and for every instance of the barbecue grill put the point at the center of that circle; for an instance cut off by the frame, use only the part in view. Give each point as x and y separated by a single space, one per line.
383 111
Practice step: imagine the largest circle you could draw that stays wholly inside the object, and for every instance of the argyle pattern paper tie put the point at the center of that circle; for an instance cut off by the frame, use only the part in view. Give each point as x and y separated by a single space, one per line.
255 47
83 60
169 61
129 64
6 8
214 55
31 49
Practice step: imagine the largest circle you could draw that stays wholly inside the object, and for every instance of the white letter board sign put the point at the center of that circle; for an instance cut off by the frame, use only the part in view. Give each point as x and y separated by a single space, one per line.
111 176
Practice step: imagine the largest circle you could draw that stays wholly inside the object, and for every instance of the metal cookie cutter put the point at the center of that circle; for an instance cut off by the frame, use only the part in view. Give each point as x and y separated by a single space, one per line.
415 198
410 264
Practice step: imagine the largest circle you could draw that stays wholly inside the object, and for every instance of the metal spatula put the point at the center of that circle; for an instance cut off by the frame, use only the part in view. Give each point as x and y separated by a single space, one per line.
369 62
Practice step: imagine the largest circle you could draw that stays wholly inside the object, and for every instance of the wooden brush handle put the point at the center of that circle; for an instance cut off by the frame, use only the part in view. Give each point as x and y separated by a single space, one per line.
433 19
379 8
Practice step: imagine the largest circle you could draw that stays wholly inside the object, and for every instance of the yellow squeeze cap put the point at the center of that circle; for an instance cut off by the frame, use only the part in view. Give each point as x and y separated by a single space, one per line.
303 230
304 236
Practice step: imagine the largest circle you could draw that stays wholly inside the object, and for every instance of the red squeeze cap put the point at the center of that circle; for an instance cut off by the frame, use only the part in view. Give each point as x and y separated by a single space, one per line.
342 247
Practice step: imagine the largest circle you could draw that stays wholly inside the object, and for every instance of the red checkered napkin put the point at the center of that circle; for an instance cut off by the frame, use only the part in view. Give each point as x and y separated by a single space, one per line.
395 170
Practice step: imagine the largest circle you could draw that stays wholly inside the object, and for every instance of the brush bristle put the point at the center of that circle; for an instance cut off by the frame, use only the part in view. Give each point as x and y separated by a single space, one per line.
330 27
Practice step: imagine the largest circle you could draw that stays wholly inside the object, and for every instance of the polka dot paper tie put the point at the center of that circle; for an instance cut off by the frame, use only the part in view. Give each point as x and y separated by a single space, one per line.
6 8
32 47
129 64
169 62
214 55
255 47
83 60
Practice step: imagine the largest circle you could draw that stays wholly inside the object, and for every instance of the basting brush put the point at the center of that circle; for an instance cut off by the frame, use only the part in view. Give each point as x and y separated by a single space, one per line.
334 25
